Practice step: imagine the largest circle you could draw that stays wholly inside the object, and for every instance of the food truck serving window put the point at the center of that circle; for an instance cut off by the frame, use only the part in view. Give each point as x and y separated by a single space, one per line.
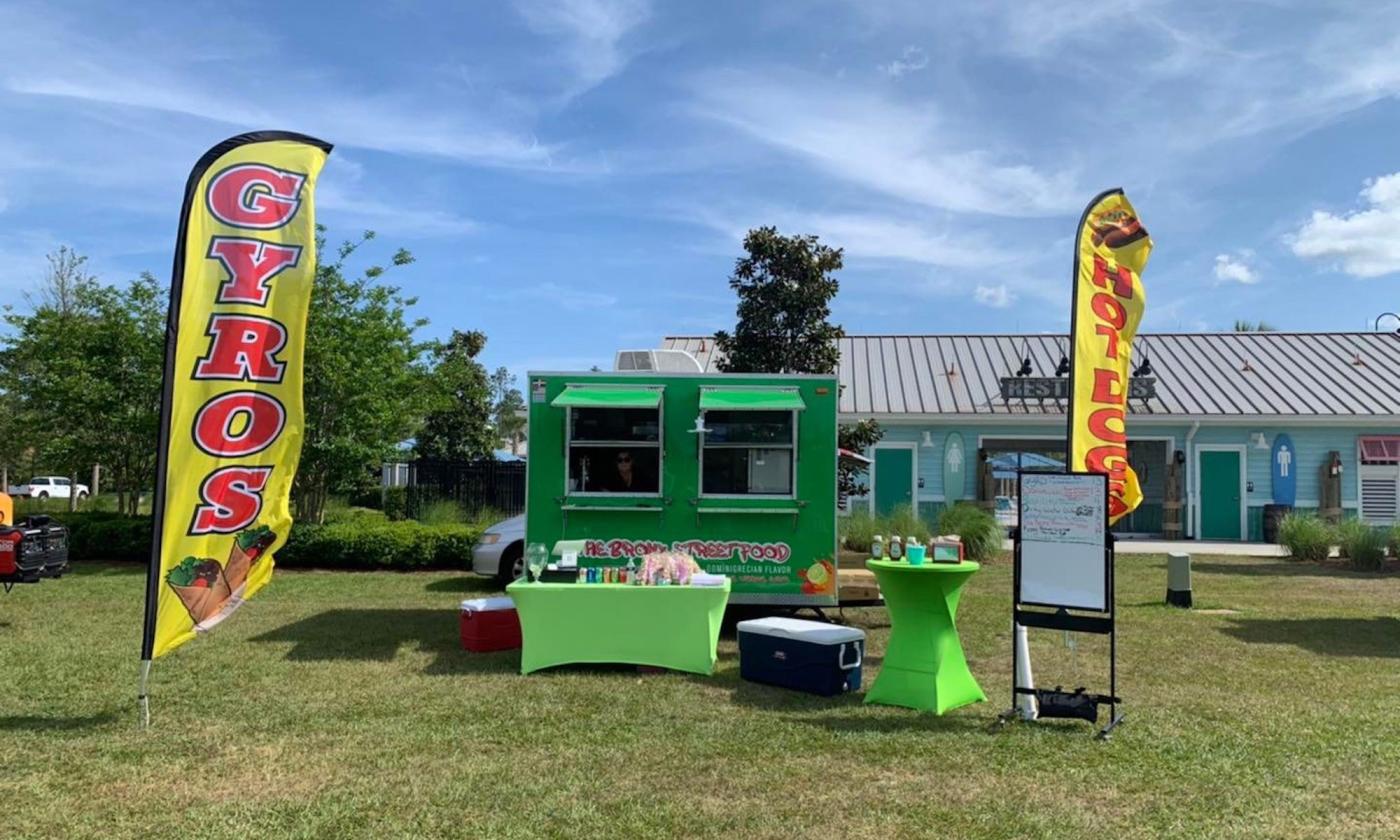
614 440
748 451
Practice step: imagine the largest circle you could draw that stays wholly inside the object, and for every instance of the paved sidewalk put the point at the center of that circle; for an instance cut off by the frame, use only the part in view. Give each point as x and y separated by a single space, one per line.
1237 549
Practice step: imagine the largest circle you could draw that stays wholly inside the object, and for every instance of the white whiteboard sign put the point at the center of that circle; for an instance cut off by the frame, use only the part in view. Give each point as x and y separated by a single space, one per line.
1063 519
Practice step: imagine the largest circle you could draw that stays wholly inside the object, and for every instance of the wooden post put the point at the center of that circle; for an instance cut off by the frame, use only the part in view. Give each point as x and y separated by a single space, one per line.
1330 482
96 480
1171 504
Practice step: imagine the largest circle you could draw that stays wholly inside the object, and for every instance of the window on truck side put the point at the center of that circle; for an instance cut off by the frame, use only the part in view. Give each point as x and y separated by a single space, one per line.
615 451
749 453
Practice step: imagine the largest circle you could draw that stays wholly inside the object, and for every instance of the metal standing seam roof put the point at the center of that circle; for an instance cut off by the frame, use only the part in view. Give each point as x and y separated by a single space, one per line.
1221 375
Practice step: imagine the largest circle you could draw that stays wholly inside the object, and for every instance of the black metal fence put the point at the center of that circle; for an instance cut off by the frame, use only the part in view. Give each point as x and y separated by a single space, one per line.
475 485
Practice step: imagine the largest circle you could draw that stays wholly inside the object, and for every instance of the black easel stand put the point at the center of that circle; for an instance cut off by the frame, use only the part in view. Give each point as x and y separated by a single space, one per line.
1057 703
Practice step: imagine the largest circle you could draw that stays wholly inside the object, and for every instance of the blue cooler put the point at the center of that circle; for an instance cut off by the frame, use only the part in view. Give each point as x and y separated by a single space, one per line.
809 656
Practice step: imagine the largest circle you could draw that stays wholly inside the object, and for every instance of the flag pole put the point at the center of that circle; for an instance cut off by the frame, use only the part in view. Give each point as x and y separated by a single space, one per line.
172 334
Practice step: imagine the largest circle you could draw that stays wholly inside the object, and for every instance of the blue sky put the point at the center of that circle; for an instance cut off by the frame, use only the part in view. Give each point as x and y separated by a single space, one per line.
576 176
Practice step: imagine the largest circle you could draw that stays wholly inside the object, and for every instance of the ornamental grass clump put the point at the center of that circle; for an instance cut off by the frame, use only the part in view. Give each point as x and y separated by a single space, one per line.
859 529
1362 545
1305 536
981 533
904 521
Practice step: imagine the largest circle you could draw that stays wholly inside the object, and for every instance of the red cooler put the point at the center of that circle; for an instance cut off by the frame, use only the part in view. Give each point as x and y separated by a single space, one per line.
490 624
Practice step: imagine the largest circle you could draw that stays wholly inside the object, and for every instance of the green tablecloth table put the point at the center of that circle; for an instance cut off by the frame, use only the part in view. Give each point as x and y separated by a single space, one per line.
674 627
924 666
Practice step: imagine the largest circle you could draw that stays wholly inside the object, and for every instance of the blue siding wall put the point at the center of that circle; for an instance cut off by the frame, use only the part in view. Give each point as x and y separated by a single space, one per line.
1313 445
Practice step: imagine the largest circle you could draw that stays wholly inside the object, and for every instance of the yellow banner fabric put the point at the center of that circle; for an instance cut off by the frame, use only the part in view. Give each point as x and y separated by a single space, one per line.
233 392
1112 251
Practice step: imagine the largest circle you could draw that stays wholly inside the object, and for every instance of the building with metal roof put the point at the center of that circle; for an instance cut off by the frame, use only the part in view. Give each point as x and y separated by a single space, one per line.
1225 429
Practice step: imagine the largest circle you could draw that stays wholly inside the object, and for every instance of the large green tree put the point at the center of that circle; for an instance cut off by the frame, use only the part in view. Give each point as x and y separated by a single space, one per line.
82 373
365 376
458 424
785 286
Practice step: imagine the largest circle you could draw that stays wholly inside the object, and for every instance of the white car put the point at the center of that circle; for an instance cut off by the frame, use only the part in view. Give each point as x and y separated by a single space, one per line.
500 553
49 486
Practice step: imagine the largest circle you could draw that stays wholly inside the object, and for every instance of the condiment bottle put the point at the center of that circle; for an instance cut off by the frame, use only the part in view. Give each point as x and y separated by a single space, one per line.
877 547
896 548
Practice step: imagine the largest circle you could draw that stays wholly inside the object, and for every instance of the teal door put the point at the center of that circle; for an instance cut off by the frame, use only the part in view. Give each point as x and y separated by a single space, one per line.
894 479
1221 496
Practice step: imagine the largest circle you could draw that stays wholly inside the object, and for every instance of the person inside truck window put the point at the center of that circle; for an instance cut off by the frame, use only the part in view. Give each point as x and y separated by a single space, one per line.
624 477
614 470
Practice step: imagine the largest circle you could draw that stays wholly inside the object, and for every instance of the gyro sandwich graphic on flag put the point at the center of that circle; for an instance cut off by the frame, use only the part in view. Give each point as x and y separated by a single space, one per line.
231 414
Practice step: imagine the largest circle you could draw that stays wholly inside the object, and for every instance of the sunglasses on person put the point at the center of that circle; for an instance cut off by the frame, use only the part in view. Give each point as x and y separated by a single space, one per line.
624 459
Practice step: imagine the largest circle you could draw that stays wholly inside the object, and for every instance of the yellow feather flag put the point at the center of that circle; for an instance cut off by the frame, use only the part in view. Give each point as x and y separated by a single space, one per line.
1110 254
231 411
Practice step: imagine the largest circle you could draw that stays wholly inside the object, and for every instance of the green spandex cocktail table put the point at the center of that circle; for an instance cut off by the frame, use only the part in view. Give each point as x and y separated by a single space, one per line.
674 627
924 666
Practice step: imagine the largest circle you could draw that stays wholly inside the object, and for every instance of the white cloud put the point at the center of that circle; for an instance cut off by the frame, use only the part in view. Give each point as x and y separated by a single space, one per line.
862 235
339 208
592 32
892 148
1364 243
997 297
910 60
556 294
52 58
1235 269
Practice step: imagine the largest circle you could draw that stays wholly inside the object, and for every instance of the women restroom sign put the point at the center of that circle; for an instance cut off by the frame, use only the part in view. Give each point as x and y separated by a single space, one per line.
1284 466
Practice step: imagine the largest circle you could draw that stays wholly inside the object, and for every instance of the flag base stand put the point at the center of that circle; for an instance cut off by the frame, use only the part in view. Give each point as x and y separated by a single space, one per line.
143 698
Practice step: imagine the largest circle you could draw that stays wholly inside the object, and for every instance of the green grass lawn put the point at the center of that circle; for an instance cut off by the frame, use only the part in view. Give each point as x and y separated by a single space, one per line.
340 705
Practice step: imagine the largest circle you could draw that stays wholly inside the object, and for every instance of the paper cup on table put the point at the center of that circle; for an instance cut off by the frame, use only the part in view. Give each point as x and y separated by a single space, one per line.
915 554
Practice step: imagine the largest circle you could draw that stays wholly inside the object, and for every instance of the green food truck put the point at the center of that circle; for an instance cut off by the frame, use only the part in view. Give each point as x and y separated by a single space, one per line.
737 470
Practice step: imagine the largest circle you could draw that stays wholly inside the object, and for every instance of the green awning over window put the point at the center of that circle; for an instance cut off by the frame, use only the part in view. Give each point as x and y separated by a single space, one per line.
751 399
598 396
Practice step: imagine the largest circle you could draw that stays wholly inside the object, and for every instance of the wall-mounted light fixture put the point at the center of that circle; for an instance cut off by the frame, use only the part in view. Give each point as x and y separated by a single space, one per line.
928 440
1260 442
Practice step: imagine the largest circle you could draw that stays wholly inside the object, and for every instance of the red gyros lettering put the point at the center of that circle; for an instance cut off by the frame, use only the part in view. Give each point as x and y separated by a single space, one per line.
231 500
251 264
255 196
245 348
238 423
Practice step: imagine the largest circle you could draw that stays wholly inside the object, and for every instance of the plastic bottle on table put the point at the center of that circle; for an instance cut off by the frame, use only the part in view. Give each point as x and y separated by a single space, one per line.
896 548
877 547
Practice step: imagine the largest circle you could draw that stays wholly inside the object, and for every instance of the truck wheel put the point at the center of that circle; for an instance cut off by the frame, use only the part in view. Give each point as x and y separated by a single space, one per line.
512 564
43 494
82 496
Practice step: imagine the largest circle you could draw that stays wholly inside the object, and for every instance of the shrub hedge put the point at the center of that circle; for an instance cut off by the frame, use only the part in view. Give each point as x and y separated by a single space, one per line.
366 544
361 542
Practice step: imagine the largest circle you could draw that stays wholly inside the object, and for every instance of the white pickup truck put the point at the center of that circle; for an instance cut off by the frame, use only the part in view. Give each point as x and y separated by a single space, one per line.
49 487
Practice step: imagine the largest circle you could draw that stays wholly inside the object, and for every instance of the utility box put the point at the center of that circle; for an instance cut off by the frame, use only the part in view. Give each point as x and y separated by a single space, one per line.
1179 580
736 470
